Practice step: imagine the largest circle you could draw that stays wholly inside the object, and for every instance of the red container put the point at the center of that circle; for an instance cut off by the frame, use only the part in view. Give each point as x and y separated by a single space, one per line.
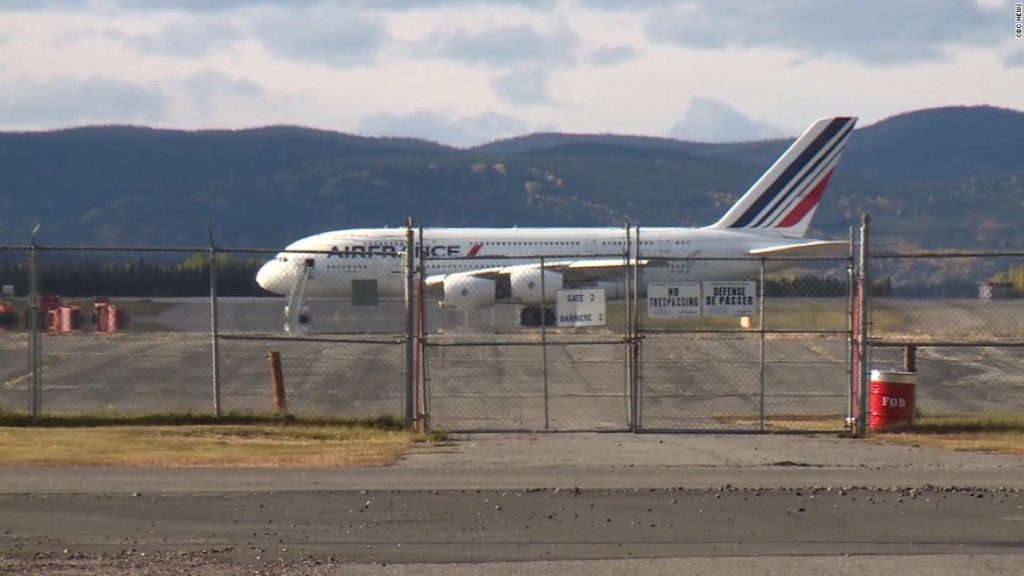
101 316
119 318
70 318
892 398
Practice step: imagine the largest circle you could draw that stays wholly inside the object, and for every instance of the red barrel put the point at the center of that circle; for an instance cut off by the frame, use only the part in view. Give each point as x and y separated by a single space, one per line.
892 398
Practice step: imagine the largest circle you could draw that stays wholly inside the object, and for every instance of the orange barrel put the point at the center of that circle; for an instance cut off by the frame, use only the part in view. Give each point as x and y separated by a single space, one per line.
101 315
112 318
70 318
65 319
119 318
892 398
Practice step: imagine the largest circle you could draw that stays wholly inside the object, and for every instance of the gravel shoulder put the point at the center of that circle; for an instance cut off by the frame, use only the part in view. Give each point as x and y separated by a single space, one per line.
586 460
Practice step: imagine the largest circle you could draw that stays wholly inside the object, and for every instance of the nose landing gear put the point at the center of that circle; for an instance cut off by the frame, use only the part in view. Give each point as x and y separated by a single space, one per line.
297 314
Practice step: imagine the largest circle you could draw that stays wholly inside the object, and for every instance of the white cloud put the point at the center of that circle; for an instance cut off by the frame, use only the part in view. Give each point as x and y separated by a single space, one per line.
875 33
570 65
632 5
71 101
1015 59
421 4
612 55
225 5
209 87
509 45
709 120
527 87
207 5
189 38
34 5
437 127
323 35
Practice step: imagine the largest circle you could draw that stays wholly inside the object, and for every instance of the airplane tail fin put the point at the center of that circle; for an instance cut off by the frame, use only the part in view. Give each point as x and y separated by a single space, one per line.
785 197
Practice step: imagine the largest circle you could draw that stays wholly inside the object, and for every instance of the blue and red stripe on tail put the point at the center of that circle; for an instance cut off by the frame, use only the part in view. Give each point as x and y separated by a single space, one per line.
785 197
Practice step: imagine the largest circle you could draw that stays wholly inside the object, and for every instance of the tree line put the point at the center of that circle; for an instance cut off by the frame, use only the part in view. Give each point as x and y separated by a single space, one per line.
1015 278
138 278
236 277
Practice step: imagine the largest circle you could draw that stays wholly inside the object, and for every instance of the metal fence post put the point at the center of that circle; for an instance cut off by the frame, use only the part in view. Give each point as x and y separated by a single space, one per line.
544 346
35 399
421 330
214 327
851 338
864 299
635 333
410 328
628 327
760 359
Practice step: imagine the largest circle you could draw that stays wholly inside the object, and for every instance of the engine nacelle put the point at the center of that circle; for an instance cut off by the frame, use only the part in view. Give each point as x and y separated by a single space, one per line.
613 290
466 292
526 285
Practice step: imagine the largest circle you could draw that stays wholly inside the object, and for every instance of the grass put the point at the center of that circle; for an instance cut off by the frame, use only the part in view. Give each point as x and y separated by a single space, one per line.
172 440
21 419
240 440
785 422
998 433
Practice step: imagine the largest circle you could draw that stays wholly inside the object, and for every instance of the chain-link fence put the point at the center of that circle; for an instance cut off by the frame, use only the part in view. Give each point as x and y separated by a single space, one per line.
765 350
103 340
450 336
136 331
955 320
341 352
520 366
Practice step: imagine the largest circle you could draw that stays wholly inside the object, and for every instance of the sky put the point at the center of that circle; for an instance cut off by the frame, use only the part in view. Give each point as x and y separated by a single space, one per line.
467 72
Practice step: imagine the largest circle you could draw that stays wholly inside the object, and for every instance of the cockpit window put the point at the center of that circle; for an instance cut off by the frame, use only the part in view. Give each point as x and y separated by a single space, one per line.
282 258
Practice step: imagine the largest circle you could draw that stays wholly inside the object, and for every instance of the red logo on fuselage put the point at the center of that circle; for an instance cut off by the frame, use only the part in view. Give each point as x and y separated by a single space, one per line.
474 249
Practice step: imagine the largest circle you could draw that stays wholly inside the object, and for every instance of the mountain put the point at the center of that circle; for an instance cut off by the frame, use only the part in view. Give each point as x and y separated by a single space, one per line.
553 142
938 145
946 177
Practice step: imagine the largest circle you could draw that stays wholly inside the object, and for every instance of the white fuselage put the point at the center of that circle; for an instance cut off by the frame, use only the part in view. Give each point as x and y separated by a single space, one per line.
477 267
340 257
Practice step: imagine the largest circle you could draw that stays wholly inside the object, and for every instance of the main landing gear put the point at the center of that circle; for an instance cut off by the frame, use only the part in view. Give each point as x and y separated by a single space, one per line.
530 316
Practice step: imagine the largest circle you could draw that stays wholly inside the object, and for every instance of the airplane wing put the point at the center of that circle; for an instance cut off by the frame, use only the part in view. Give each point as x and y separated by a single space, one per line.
573 270
812 249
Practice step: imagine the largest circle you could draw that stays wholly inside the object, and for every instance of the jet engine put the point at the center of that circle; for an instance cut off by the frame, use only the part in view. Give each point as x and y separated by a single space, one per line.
526 285
465 292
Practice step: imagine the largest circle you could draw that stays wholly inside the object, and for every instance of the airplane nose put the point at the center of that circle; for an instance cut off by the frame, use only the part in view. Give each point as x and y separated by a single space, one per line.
269 277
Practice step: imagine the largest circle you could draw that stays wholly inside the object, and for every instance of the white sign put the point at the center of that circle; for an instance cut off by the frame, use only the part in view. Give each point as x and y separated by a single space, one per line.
730 298
7 291
673 300
576 308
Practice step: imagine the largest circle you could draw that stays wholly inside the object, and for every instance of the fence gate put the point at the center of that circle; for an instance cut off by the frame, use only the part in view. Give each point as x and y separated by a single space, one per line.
522 384
501 368
766 354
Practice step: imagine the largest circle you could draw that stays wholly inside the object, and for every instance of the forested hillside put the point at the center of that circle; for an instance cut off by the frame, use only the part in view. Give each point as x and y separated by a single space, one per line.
951 177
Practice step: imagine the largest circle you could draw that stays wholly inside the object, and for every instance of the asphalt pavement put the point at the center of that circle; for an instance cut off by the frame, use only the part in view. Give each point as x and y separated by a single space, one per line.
537 504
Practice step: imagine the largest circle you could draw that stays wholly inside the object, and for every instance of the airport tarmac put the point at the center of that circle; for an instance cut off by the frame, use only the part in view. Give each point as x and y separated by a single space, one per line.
559 503
480 377
583 503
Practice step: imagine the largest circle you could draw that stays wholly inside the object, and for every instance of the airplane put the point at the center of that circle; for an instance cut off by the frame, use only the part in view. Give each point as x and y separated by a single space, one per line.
472 268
